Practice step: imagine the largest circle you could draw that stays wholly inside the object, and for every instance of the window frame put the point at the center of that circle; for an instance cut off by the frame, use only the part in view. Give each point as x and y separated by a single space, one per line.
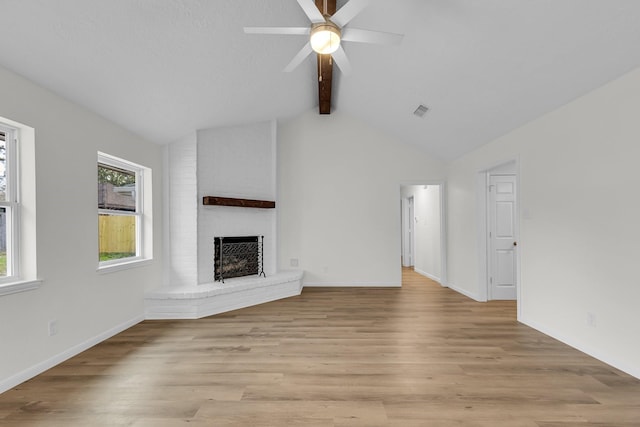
22 203
11 204
139 213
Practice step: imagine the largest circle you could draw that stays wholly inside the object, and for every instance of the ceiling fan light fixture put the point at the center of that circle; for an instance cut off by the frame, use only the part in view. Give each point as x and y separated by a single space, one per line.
325 37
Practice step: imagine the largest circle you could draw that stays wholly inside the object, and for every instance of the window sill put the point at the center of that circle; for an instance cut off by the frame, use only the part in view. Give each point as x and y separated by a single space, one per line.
20 286
125 265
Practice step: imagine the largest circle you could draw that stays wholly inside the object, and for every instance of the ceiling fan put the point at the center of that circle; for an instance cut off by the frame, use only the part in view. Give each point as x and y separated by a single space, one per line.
327 32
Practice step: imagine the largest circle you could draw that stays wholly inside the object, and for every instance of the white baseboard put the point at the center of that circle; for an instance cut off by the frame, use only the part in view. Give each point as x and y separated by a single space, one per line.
20 377
585 348
465 293
427 275
351 285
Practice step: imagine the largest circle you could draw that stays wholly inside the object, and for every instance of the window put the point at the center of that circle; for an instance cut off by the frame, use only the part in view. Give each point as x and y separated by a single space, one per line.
120 211
9 207
18 262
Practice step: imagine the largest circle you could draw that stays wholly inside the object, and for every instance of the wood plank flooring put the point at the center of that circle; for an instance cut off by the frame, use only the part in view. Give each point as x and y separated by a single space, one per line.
417 356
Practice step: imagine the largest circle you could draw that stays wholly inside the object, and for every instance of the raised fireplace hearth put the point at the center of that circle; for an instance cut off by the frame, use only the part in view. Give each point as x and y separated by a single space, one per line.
238 256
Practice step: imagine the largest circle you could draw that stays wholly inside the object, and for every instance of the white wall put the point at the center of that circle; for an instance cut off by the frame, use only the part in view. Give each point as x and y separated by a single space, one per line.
86 304
338 192
579 228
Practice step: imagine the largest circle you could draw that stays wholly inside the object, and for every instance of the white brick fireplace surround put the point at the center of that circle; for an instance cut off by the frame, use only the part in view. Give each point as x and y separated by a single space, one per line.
235 162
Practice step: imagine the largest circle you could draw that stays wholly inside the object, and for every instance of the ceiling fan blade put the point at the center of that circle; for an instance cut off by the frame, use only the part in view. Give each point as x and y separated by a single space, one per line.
367 36
300 56
340 57
295 31
310 9
348 12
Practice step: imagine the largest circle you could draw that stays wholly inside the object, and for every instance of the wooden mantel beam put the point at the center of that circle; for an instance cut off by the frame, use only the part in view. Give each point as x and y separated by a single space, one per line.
241 203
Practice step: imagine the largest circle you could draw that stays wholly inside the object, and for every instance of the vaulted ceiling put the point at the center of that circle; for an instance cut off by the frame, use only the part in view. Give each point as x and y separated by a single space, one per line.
164 68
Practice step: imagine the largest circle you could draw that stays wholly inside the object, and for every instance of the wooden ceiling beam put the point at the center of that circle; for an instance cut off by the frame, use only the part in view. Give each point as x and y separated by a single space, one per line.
325 64
325 74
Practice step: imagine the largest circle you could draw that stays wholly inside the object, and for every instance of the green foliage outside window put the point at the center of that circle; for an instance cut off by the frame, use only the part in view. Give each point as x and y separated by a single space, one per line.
114 176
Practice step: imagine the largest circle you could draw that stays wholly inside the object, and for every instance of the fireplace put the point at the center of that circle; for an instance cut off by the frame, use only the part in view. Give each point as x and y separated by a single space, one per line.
238 256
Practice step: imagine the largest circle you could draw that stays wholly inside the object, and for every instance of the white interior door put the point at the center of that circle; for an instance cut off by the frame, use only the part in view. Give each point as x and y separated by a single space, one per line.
407 232
411 229
502 237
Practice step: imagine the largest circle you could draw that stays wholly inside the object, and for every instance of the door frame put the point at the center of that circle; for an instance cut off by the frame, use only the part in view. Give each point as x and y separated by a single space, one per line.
482 192
443 224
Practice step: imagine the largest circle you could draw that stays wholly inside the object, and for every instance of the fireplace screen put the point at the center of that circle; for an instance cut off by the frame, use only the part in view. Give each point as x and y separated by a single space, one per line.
238 256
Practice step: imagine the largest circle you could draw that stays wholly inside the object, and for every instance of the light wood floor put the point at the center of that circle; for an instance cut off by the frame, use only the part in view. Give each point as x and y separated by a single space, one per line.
417 356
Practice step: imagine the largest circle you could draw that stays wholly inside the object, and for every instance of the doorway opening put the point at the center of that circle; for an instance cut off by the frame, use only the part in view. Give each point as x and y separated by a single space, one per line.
423 231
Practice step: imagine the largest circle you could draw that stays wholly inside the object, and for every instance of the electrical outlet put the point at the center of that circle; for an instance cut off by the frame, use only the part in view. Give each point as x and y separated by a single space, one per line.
294 262
591 320
53 327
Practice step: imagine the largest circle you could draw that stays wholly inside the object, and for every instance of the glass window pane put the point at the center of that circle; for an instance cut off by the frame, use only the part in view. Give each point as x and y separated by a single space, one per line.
116 236
116 189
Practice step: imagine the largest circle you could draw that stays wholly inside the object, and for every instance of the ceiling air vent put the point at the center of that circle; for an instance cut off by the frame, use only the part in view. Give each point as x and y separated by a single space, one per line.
421 110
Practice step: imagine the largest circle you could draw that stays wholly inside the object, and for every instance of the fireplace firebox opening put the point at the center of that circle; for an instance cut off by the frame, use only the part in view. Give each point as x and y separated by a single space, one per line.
238 256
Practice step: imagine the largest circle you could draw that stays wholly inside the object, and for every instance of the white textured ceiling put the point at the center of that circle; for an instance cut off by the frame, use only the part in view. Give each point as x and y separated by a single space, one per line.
164 68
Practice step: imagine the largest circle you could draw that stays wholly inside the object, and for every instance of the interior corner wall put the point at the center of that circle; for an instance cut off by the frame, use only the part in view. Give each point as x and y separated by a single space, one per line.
579 228
88 306
338 196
